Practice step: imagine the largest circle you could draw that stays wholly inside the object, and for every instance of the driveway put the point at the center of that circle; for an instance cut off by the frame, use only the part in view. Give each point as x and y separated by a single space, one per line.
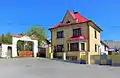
45 68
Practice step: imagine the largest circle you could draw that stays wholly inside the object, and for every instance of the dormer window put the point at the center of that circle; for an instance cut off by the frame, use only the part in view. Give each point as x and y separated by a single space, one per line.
67 21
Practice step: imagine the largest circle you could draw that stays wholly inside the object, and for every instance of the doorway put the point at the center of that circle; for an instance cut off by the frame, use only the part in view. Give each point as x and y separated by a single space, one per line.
9 52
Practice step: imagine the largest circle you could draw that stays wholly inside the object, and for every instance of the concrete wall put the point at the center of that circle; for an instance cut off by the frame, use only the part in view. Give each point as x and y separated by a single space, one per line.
5 50
106 59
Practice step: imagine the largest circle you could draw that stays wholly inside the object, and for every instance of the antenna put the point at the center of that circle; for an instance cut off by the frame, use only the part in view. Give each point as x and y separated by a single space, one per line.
73 10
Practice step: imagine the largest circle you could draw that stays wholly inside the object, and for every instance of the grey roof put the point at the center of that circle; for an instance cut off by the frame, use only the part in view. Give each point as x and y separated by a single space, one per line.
113 44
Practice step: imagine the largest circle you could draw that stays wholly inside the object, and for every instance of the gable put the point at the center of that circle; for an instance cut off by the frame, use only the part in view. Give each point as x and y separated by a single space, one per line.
68 18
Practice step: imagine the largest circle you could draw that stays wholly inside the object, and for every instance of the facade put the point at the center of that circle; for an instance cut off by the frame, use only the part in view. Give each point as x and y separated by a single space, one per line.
75 36
103 48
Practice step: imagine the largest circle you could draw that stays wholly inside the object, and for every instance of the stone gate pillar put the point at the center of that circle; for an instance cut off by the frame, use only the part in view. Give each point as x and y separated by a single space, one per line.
14 47
35 48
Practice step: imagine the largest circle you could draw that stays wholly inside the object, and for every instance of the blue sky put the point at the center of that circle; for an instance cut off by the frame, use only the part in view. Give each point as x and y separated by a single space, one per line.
19 15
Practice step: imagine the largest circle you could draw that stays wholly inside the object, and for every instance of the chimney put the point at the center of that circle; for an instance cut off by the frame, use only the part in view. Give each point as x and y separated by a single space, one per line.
75 12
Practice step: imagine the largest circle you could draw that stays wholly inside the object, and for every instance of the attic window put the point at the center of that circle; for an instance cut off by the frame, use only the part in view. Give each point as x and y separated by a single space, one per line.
67 21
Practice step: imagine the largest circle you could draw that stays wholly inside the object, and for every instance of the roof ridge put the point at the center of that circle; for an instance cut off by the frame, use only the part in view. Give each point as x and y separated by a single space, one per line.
78 17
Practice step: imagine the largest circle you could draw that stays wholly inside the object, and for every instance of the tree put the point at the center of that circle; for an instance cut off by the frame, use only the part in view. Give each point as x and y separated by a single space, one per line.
22 34
39 32
8 38
2 38
20 45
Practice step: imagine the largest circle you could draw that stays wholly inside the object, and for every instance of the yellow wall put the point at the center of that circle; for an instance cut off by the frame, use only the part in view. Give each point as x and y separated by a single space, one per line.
93 40
68 32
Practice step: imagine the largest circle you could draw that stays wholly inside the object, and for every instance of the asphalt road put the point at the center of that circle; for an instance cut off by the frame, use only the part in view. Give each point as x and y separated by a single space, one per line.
44 68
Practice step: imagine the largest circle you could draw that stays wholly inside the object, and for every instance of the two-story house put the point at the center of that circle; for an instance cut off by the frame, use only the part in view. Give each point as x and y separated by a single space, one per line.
73 36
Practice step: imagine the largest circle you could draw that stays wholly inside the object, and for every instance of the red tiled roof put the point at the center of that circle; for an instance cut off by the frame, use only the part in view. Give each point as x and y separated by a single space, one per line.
77 38
16 35
33 37
79 19
56 26
72 14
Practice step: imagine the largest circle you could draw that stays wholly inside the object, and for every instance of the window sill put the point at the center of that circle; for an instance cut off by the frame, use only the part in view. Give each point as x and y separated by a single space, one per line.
76 36
59 38
78 51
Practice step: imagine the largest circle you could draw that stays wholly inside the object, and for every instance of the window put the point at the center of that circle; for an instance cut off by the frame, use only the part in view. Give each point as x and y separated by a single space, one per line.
77 32
95 48
109 52
60 34
83 46
105 48
68 46
67 21
42 49
96 34
59 48
74 46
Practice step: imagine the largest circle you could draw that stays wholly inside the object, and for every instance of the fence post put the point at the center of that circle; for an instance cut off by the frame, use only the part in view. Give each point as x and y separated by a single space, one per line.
89 58
64 55
51 55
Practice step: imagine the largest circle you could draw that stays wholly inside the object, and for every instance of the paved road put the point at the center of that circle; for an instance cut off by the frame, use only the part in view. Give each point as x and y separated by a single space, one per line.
44 68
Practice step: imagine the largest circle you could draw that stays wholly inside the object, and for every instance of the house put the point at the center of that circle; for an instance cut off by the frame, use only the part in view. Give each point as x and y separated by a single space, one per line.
44 49
113 46
103 48
75 36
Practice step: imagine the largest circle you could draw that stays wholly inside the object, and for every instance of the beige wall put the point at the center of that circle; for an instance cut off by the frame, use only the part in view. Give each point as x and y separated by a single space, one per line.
68 32
68 17
93 40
